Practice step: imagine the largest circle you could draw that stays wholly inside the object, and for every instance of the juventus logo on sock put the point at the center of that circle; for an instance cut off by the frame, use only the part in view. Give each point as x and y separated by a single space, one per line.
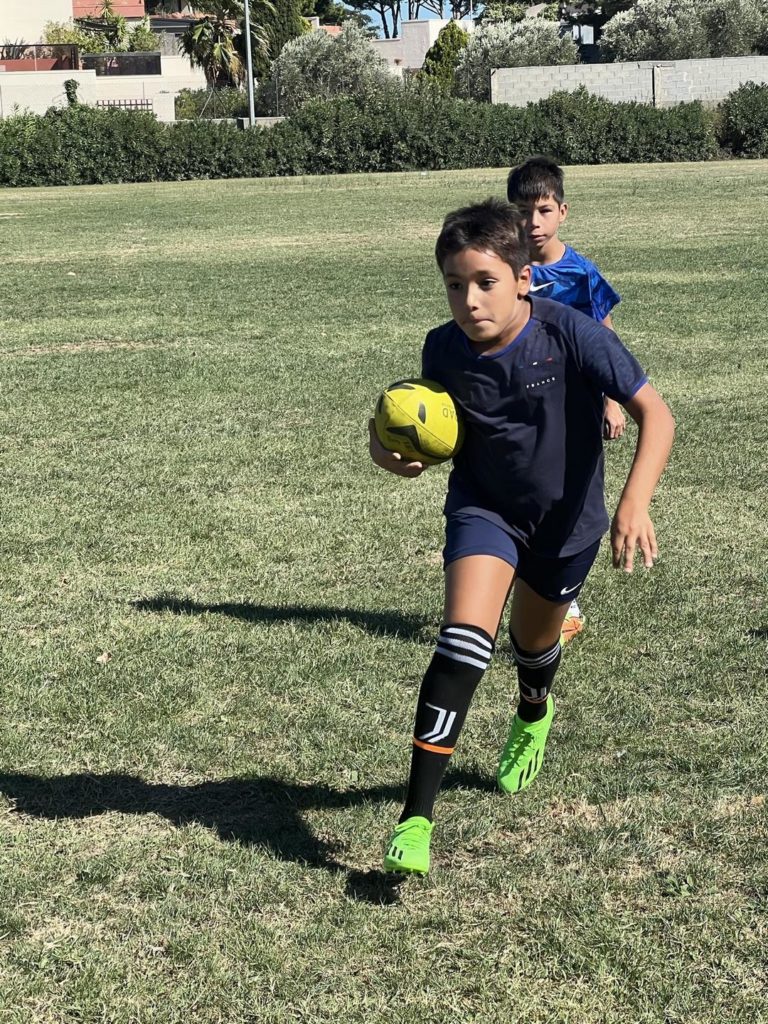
462 655
443 725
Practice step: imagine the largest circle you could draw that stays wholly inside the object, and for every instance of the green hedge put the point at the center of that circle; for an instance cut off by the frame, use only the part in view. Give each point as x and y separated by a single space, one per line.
227 102
744 121
390 130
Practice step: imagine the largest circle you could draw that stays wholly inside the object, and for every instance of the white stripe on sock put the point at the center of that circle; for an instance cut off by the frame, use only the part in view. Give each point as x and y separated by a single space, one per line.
448 653
463 645
468 632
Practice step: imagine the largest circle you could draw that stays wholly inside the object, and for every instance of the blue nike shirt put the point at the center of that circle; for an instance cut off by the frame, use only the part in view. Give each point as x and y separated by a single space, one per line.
532 457
575 281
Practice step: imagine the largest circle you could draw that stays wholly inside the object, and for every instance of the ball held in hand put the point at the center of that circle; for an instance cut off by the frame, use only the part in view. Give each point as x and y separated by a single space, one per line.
418 419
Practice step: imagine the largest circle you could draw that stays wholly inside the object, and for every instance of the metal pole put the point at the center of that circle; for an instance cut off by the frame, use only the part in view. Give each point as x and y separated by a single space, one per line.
249 64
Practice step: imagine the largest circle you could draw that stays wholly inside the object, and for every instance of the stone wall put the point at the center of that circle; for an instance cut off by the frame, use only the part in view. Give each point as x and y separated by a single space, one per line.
662 83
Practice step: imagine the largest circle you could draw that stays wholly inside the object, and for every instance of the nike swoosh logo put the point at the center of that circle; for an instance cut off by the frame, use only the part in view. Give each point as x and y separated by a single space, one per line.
538 287
567 590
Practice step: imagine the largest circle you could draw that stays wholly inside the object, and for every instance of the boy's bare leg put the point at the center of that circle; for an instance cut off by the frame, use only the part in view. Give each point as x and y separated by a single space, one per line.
476 590
534 622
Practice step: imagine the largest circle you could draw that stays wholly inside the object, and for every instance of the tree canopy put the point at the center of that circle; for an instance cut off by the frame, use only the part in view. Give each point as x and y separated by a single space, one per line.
509 45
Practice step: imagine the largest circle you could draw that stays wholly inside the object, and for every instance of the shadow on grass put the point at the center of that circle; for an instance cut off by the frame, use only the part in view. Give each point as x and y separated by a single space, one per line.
386 623
265 812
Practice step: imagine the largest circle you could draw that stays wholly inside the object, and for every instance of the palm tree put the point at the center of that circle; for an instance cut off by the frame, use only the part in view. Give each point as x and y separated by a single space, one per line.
262 17
210 45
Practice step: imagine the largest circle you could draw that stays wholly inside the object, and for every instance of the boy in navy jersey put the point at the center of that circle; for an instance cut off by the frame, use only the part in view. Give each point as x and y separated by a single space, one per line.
525 497
559 272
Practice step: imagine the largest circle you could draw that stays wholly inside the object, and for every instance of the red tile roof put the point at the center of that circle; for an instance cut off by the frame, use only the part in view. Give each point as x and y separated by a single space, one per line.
177 16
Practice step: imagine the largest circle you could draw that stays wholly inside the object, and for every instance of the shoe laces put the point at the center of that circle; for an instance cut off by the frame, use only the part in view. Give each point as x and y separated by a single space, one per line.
411 837
518 746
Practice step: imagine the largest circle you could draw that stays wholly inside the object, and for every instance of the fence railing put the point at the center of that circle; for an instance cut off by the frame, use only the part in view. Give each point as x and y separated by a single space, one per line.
38 57
139 105
122 63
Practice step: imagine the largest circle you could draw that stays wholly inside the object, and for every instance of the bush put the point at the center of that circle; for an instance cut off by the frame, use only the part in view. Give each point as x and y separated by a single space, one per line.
77 145
399 127
318 66
226 102
443 56
744 121
734 28
411 128
526 43
68 32
685 29
578 128
496 11
143 39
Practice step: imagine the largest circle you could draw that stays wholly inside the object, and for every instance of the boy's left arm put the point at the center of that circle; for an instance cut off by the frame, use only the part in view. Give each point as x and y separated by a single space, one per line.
614 421
632 526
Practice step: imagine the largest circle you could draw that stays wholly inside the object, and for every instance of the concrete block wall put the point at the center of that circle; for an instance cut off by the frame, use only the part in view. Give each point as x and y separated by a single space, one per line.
662 83
707 80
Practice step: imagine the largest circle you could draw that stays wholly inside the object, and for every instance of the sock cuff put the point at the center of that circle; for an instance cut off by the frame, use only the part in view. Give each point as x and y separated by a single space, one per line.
467 644
535 659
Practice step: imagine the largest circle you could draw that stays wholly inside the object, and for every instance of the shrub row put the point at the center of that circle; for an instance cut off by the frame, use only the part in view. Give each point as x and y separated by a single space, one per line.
226 102
389 130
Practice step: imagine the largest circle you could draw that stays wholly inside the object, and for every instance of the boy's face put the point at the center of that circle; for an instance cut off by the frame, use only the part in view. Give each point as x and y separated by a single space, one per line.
542 218
487 301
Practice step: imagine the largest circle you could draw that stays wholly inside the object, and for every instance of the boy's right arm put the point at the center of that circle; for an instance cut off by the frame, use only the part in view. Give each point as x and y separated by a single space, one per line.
392 461
632 527
614 421
388 460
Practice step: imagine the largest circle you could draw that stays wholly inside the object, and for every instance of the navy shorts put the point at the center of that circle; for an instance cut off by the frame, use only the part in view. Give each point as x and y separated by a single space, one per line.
555 579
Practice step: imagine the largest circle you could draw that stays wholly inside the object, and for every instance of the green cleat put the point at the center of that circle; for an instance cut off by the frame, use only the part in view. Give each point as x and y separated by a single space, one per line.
408 850
523 753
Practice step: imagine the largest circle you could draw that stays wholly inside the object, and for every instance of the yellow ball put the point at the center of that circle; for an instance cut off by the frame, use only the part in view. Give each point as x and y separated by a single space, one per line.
418 419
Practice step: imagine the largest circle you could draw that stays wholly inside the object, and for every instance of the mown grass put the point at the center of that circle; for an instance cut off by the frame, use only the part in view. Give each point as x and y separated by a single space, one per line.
215 616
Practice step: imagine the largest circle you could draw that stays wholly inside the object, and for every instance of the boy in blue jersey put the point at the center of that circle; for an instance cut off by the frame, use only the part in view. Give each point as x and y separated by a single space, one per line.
525 499
559 272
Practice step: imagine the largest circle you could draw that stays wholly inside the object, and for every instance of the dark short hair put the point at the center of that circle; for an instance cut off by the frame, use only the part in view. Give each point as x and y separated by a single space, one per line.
491 226
537 178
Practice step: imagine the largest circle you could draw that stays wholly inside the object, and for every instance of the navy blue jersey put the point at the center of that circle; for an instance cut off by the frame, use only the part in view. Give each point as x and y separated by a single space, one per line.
576 282
532 457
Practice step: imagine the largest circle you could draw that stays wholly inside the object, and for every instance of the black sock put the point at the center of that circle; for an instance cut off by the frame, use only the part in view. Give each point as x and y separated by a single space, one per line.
535 674
463 654
531 712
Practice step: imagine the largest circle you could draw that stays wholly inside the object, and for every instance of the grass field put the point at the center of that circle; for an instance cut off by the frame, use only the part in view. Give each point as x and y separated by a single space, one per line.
216 614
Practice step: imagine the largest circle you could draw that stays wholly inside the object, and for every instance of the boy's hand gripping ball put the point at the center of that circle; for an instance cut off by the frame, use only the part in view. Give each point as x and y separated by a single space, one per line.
418 419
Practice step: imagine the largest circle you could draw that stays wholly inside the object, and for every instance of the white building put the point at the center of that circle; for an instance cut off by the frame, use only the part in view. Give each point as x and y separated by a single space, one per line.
407 52
25 19
35 82
21 20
